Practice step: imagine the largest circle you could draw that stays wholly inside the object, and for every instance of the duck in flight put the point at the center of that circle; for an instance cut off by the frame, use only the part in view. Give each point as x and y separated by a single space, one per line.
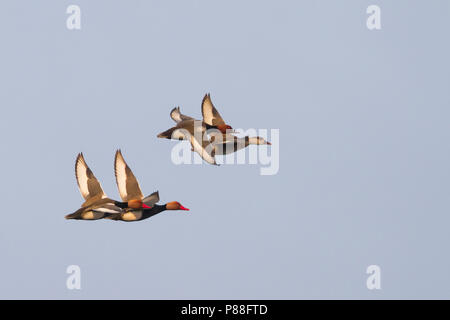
196 131
134 205
97 205
220 142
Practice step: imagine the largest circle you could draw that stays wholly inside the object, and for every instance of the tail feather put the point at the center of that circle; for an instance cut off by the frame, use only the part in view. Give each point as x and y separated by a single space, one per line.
75 215
166 134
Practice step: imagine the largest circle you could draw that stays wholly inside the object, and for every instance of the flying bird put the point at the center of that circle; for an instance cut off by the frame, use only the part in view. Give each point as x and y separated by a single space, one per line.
135 206
196 131
97 205
220 142
212 117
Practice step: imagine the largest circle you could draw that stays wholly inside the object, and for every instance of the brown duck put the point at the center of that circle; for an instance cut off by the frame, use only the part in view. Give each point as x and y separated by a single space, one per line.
97 205
188 128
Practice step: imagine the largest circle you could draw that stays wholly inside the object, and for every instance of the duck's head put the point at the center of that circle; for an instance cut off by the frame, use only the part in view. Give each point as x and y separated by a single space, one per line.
258 140
224 128
175 205
137 204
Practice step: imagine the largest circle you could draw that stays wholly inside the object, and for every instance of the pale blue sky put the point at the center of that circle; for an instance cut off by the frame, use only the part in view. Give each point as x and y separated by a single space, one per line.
364 148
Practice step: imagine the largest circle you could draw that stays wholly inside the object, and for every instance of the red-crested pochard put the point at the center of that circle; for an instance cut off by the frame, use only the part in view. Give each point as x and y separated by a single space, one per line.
196 131
97 205
135 206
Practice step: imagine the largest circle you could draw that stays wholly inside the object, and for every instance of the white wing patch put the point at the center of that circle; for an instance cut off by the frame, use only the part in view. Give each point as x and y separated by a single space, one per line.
121 176
207 111
210 114
175 115
107 210
82 178
201 151
88 185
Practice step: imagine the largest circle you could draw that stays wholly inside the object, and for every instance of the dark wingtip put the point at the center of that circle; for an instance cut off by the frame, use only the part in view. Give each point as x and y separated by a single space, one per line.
118 152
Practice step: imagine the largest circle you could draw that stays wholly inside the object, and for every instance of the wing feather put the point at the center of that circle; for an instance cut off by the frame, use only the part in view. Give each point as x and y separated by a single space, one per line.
87 183
210 114
127 183
177 116
204 148
152 199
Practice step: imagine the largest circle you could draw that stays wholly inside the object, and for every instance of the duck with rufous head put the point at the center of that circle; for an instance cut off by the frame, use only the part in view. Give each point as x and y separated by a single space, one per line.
135 206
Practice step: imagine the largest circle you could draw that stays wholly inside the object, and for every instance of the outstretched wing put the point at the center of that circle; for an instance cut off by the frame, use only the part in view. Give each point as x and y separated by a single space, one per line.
177 116
210 114
87 182
127 183
204 148
152 199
